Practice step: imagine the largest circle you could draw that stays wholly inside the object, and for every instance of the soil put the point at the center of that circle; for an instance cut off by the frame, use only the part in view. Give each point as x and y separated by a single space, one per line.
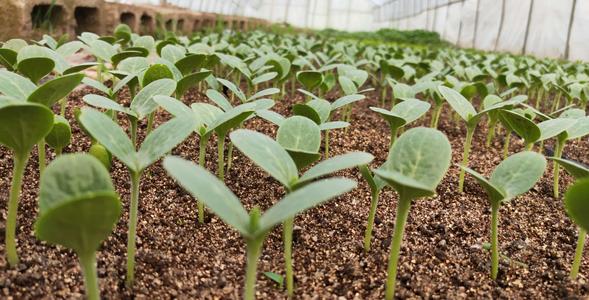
441 255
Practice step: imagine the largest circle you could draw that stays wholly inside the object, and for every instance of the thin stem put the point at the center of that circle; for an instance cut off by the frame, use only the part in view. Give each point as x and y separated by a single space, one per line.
254 248
529 146
491 133
402 213
467 144
221 157
326 144
539 97
201 161
383 95
578 253
370 225
63 104
229 157
556 167
20 162
133 210
287 228
436 116
150 120
506 144
88 265
42 160
494 239
393 135
133 129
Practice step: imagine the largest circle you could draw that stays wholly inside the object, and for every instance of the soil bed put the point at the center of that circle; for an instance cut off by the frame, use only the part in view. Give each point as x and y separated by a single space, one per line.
441 255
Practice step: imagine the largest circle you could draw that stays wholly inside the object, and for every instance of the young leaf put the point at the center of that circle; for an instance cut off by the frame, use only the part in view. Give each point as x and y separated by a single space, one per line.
111 135
518 173
576 204
417 162
335 164
268 154
574 168
78 205
143 103
210 190
458 103
55 89
304 198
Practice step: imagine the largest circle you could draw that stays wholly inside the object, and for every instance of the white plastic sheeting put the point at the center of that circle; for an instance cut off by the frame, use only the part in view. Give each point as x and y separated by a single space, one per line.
544 28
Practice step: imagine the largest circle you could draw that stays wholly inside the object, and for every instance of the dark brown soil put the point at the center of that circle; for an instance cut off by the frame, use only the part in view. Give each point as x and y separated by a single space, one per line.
441 256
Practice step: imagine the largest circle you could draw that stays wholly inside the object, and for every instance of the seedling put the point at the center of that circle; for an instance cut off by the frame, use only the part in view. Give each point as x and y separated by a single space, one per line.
209 119
60 135
579 129
467 112
320 110
156 144
514 176
141 106
376 185
277 278
416 164
402 114
282 167
580 173
78 209
22 125
575 202
254 226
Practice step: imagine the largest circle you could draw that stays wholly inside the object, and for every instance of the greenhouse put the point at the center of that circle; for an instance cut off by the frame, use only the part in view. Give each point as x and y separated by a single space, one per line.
294 149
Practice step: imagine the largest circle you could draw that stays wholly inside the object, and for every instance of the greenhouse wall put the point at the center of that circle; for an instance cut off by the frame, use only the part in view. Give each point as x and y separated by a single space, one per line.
543 28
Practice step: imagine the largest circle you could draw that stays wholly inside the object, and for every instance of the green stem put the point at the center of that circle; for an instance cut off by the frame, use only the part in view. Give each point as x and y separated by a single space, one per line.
42 160
369 226
150 120
88 265
326 144
221 157
539 97
383 95
63 104
229 157
201 161
556 167
506 144
99 70
402 213
393 135
287 228
494 239
578 253
133 129
254 248
529 146
20 162
491 133
436 116
465 154
131 236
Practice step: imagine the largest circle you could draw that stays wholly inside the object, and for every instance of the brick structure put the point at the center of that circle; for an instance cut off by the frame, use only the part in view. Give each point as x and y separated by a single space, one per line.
28 18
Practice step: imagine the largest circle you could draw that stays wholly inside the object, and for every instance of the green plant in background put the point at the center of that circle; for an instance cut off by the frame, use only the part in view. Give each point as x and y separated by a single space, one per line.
60 135
575 205
156 144
512 177
402 114
141 106
276 161
78 209
416 164
254 226
467 112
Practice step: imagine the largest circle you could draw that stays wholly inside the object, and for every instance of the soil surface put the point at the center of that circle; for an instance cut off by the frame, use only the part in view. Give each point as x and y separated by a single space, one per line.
441 257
